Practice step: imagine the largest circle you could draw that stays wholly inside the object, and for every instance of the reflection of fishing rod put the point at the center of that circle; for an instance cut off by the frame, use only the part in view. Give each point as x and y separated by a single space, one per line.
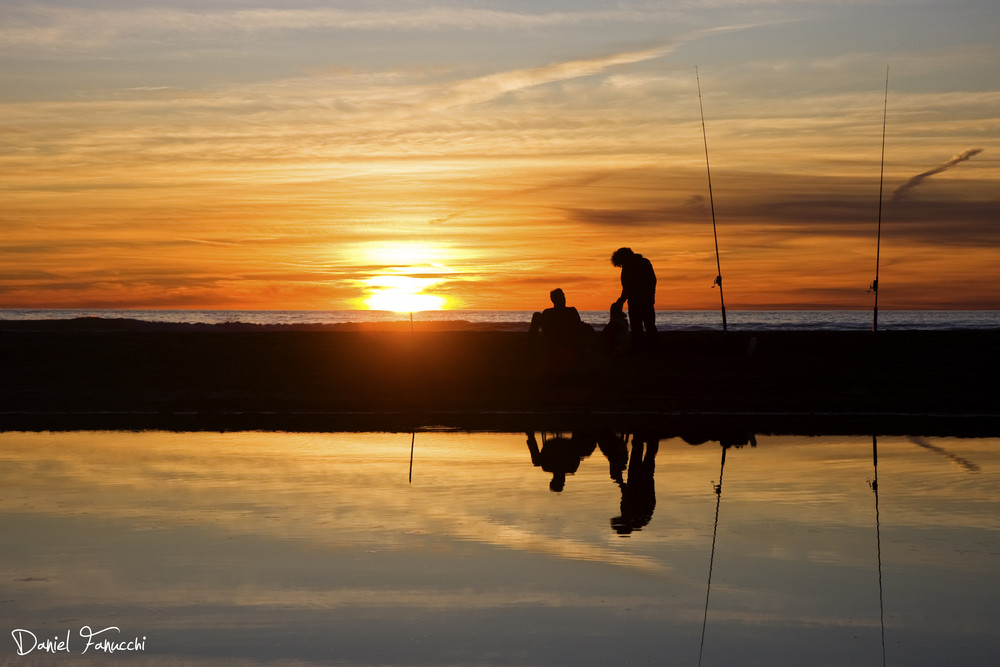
711 202
878 542
878 234
711 560
413 440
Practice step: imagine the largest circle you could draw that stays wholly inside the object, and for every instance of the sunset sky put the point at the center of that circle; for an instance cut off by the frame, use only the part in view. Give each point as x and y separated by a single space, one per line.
329 155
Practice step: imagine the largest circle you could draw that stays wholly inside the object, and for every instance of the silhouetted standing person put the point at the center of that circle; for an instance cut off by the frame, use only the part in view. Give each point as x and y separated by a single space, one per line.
639 291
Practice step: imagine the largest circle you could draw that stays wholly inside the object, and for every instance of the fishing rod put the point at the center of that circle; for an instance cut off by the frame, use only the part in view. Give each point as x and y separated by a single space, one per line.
711 202
881 174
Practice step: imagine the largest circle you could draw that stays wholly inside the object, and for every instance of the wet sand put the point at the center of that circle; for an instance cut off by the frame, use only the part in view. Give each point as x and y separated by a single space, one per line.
100 374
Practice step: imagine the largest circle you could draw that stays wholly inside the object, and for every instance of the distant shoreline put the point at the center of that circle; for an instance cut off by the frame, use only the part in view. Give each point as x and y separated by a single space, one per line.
102 324
487 320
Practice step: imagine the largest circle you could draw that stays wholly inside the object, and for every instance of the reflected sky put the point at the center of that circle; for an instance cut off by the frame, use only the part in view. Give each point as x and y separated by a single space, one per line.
316 548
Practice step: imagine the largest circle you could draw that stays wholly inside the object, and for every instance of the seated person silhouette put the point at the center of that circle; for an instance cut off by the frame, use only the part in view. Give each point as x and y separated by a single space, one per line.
559 333
558 323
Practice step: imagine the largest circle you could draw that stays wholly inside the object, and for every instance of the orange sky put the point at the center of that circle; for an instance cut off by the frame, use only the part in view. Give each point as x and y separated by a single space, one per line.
486 158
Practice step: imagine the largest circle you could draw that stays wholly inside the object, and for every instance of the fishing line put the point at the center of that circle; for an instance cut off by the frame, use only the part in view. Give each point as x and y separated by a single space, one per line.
711 201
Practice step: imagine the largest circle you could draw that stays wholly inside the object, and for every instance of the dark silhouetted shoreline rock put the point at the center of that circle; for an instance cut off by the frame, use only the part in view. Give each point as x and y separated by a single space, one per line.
135 375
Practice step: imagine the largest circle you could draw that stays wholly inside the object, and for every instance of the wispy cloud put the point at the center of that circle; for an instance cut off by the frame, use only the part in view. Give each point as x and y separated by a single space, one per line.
482 89
78 28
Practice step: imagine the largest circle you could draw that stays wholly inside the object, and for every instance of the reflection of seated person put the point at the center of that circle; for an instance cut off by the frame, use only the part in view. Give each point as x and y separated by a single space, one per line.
560 325
614 336
559 456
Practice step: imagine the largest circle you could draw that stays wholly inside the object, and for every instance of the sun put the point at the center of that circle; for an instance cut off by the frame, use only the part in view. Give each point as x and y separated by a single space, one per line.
402 294
404 272
404 302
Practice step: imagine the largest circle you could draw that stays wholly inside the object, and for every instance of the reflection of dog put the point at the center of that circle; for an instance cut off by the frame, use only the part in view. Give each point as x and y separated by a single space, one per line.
614 336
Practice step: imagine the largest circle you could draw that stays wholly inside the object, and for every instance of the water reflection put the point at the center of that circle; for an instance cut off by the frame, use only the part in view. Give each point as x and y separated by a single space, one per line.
639 490
728 440
562 454
450 548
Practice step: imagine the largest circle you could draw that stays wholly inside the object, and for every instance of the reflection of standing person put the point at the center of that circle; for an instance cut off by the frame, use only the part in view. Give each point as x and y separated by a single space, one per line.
639 290
639 492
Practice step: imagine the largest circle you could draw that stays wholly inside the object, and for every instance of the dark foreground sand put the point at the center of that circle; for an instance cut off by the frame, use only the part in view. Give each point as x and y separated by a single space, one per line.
88 374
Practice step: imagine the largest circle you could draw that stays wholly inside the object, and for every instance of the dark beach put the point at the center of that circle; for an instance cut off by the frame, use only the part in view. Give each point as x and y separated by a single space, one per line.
104 374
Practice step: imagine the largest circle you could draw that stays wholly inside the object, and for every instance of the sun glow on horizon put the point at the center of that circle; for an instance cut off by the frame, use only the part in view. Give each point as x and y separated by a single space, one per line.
402 294
406 271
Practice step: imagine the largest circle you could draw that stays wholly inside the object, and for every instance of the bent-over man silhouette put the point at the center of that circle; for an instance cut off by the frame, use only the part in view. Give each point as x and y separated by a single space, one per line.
639 291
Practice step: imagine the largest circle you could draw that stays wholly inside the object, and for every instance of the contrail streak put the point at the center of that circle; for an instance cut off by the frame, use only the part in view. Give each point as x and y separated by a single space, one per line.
919 178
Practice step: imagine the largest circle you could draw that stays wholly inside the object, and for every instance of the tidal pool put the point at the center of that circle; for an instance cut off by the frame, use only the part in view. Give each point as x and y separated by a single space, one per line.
450 548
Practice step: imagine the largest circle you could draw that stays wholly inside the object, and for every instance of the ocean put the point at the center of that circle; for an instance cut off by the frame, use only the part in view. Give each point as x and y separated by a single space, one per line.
516 320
